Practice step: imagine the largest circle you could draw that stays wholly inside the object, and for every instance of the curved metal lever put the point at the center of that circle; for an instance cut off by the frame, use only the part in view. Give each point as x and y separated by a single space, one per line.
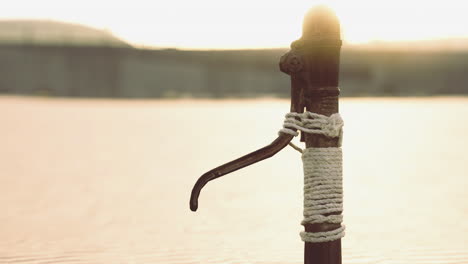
291 64
266 152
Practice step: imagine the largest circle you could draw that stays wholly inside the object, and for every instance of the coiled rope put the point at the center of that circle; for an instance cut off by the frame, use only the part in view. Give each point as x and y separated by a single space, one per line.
323 180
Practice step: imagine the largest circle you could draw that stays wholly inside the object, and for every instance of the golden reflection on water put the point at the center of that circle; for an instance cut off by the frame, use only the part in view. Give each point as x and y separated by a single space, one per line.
102 181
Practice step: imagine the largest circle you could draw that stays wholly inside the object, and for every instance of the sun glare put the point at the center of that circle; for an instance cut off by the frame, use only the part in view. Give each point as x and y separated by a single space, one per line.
249 24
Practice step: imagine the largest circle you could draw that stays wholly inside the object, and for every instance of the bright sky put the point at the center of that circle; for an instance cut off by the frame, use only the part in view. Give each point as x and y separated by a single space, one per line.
224 24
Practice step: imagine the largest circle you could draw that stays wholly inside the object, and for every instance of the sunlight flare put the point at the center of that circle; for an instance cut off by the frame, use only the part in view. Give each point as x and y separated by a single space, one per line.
250 24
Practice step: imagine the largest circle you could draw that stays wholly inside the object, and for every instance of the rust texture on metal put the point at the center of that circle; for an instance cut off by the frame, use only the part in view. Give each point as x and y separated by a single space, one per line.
278 144
313 65
319 48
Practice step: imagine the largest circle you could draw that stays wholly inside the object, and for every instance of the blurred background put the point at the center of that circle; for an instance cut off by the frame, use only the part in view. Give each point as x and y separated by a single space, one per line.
214 50
89 174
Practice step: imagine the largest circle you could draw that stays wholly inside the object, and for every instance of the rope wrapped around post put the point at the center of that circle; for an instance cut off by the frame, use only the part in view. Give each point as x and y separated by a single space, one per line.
323 174
313 65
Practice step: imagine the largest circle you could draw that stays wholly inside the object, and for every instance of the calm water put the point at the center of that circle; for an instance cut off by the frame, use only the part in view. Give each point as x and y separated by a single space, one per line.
93 181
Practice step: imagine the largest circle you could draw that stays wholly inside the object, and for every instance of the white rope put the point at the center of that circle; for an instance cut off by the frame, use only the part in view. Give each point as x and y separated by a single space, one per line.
330 126
323 192
323 181
320 237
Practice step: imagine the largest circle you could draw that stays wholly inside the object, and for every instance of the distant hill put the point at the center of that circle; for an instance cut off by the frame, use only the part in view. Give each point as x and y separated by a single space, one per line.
46 32
61 59
49 32
448 44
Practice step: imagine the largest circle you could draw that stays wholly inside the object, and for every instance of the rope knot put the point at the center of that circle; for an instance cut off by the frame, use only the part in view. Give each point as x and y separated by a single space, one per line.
308 122
334 126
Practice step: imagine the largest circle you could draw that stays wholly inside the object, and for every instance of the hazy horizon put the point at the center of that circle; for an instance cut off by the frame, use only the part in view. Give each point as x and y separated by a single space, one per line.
209 24
26 27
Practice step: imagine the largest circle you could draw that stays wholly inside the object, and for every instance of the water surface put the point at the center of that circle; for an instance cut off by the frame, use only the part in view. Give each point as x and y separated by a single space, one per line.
102 181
